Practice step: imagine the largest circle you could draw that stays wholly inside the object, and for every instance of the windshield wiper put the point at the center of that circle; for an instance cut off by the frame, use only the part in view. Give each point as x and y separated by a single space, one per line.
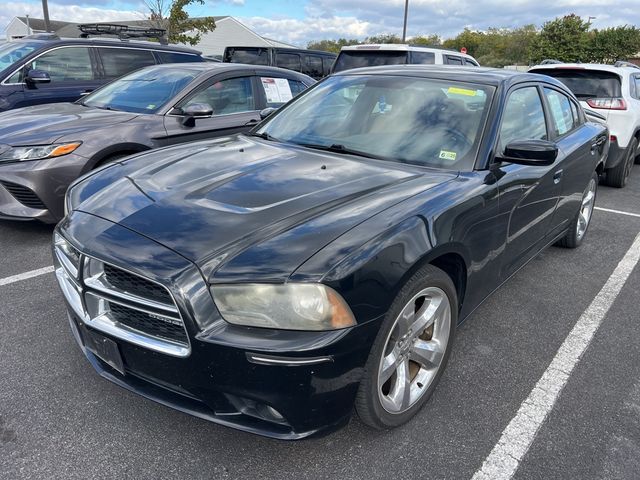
263 135
338 148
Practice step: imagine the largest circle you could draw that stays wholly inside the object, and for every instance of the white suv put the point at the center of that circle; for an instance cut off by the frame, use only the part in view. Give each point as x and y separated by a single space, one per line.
613 91
372 55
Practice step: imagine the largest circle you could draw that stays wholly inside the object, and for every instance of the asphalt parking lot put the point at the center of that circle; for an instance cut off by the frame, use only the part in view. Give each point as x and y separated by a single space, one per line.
59 419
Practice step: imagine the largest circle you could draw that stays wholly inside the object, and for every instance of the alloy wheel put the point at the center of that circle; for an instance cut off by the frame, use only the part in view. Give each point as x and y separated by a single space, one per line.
414 350
586 209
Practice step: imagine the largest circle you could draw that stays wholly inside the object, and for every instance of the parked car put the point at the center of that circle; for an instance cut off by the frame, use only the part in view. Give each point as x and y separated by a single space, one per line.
371 55
45 147
315 63
48 69
271 281
614 91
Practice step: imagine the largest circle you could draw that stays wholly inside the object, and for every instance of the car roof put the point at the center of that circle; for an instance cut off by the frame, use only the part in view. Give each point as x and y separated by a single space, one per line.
483 75
586 66
284 50
109 42
401 47
219 67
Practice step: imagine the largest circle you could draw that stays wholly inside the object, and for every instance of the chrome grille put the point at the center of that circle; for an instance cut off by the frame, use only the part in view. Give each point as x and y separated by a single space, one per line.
120 303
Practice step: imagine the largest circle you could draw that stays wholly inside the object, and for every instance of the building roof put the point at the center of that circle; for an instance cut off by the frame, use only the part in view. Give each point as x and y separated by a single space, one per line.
38 24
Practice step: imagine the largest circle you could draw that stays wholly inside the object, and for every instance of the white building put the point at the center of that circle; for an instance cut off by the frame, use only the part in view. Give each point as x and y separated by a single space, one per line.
228 32
22 26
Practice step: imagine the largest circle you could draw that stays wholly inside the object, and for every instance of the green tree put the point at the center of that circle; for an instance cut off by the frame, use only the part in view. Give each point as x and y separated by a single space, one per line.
612 44
331 45
426 40
171 16
469 39
384 38
565 39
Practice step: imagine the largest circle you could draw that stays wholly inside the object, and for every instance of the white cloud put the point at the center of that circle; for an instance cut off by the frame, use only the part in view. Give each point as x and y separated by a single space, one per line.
70 13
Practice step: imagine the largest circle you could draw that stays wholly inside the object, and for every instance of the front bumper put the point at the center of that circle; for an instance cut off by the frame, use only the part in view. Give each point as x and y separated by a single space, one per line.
34 190
235 376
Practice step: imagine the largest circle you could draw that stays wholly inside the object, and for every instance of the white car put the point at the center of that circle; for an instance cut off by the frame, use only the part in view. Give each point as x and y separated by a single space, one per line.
613 91
371 55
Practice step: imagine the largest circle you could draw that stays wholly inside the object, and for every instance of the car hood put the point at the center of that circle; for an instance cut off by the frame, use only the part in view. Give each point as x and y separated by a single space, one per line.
44 124
242 207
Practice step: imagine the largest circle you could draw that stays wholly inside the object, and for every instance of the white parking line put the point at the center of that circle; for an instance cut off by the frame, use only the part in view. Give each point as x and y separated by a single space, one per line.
25 275
504 459
617 211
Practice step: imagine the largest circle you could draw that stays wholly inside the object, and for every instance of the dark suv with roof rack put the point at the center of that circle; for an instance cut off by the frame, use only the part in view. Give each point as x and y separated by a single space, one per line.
47 69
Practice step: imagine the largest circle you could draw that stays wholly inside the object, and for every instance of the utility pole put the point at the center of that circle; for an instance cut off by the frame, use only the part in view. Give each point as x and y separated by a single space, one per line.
406 12
45 11
28 26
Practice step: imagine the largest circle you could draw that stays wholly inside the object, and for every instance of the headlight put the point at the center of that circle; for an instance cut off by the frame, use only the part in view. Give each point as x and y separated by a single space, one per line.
38 152
293 306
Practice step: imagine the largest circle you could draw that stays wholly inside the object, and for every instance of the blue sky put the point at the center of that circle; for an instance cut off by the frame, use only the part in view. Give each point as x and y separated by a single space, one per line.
299 21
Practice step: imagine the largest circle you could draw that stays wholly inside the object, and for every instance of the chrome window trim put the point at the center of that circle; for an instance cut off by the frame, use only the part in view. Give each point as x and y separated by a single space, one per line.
4 81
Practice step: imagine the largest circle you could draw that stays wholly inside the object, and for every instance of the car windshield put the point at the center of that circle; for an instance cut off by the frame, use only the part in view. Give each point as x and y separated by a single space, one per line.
144 91
11 52
428 122
253 56
368 58
586 83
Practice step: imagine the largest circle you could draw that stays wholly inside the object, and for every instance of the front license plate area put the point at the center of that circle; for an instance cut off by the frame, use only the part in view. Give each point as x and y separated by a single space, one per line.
105 349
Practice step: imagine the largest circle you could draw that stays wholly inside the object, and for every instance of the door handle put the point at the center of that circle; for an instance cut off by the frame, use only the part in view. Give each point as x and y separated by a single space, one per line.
253 121
598 143
86 92
557 177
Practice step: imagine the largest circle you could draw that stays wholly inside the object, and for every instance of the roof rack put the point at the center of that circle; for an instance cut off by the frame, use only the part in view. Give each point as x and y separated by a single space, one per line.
622 63
123 32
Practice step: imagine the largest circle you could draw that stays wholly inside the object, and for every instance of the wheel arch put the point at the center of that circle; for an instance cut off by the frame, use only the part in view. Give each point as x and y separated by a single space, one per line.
117 149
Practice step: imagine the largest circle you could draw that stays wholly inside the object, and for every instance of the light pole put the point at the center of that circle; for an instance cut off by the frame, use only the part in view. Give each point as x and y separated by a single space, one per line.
404 28
45 11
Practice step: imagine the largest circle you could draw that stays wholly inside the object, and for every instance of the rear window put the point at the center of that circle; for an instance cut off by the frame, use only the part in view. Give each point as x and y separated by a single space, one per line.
252 56
174 57
120 61
586 83
368 58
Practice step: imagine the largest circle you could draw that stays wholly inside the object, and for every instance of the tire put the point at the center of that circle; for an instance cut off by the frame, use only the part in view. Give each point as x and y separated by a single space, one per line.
381 403
617 177
580 224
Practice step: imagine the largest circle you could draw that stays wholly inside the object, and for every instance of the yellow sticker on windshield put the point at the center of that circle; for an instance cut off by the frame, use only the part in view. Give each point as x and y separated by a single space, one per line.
463 91
445 155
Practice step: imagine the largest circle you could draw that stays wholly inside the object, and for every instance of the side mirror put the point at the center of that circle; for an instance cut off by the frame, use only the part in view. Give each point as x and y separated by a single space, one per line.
530 152
264 113
195 110
37 76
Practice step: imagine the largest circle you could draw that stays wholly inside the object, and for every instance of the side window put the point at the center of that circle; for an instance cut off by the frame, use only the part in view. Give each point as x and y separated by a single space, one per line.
289 61
279 91
174 57
636 83
233 95
561 111
468 61
65 64
313 66
523 117
423 58
120 61
453 60
576 116
327 63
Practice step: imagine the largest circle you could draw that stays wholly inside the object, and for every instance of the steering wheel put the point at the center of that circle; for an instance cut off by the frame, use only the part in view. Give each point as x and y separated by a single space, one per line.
459 137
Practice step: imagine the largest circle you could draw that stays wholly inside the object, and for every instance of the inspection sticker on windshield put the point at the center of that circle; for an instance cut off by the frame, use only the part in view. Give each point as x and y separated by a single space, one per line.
462 91
277 90
446 155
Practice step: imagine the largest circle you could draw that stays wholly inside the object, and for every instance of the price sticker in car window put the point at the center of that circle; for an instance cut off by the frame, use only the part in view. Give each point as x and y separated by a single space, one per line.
446 155
277 90
462 91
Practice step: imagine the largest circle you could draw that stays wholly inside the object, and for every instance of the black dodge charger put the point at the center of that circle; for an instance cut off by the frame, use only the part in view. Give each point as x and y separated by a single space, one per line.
272 281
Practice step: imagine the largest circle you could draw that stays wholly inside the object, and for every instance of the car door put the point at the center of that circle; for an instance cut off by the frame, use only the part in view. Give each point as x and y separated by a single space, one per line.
528 194
233 101
72 70
578 144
